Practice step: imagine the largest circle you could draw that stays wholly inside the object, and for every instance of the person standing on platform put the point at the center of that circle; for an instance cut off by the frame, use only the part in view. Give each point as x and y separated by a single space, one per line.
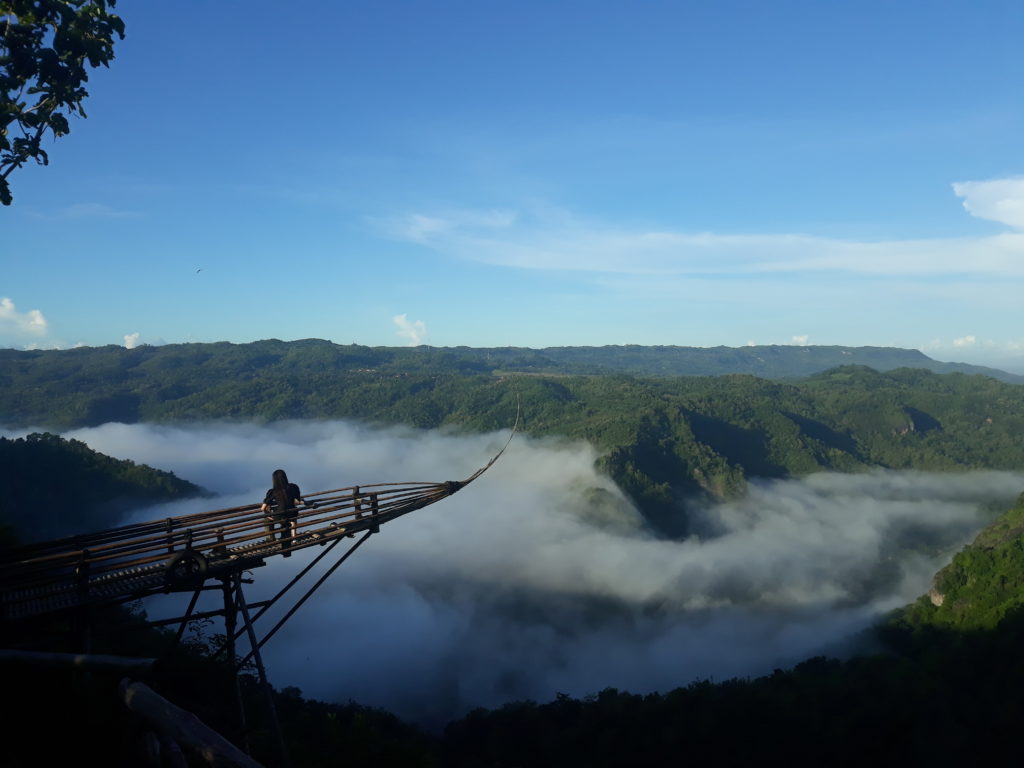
279 506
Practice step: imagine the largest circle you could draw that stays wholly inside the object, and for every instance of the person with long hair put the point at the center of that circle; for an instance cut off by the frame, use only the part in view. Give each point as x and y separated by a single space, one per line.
279 505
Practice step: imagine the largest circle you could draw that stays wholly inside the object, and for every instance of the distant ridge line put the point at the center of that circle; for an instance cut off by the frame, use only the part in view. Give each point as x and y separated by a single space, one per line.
775 361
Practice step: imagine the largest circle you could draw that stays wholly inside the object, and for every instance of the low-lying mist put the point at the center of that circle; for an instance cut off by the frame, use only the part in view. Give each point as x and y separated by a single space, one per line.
540 577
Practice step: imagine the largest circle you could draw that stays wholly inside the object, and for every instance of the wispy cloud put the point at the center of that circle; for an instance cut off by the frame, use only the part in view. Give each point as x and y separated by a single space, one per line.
554 240
21 325
414 332
95 211
420 228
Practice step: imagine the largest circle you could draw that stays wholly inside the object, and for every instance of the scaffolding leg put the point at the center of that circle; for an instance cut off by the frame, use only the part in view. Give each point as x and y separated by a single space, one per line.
187 616
262 672
230 625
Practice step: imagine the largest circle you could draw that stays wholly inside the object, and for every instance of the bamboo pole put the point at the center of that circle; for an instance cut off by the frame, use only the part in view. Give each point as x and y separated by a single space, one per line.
183 728
88 661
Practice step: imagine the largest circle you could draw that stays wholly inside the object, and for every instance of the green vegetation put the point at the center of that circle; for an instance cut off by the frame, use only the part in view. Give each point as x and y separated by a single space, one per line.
55 487
45 47
981 587
663 439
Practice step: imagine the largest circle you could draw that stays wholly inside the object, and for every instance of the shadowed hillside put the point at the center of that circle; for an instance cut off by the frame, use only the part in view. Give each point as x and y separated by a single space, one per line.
55 487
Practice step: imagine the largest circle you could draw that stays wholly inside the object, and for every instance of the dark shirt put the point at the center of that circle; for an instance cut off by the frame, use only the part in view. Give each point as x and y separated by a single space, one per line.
293 494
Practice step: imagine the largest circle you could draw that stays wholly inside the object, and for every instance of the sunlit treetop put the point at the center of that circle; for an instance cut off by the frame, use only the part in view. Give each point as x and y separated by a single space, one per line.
46 48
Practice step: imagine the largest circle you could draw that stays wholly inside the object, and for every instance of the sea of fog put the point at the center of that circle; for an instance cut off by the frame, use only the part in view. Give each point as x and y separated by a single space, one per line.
541 577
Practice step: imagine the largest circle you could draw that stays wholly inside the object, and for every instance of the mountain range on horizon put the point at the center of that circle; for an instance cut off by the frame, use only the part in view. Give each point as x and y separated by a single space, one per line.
763 361
775 361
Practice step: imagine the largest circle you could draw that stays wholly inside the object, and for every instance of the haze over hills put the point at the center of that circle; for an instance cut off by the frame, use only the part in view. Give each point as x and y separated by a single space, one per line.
771 362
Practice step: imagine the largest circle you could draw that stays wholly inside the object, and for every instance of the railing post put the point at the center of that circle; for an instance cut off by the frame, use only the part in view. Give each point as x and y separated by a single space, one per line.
82 574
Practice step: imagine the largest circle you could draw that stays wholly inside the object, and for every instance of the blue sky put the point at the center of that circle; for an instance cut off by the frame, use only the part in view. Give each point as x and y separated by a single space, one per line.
536 174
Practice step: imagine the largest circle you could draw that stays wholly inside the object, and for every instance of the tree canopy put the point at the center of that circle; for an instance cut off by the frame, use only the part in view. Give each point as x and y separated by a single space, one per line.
46 47
665 440
55 487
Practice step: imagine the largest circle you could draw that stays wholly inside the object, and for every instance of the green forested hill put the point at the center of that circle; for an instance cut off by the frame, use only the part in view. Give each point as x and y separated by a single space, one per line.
982 586
55 487
664 439
225 359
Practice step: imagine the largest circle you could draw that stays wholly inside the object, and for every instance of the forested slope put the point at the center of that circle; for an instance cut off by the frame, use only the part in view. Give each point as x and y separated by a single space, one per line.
981 586
664 439
55 487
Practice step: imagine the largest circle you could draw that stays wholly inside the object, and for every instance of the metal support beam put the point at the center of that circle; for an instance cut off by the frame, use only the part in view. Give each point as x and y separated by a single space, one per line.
188 614
305 597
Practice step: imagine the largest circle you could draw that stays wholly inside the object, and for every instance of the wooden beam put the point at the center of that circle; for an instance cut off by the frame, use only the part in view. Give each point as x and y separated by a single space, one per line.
92 661
183 728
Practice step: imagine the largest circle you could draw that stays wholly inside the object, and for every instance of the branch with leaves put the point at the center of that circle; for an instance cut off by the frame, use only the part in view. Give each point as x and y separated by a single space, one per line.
46 48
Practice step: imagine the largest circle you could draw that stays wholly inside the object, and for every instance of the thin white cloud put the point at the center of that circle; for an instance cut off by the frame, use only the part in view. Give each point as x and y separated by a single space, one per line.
420 228
31 324
414 332
965 341
999 200
95 211
801 341
592 249
553 240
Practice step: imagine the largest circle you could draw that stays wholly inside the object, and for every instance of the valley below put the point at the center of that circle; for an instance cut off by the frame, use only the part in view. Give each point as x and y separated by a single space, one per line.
543 577
641 538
